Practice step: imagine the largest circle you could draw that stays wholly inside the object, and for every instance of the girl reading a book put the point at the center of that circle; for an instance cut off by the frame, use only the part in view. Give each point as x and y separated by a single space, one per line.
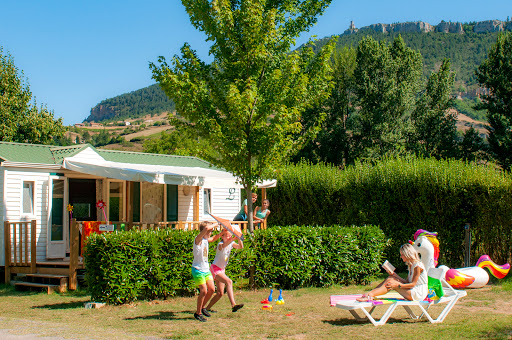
414 288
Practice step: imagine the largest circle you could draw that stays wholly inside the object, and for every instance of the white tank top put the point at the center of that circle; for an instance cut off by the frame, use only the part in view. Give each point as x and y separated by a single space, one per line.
201 256
222 255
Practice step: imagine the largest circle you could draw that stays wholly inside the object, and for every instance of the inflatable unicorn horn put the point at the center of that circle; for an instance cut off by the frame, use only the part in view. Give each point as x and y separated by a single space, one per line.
427 245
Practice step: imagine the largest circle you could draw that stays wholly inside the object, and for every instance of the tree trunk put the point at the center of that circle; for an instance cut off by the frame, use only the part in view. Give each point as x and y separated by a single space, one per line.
250 221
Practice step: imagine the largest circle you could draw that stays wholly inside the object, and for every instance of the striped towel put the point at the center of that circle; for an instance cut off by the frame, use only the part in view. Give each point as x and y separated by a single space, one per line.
388 298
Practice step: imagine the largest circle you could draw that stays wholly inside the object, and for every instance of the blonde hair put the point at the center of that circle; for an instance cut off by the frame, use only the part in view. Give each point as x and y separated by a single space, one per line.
202 225
408 251
254 194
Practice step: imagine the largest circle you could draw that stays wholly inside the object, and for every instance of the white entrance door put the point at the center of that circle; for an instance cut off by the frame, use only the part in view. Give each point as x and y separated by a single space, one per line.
58 219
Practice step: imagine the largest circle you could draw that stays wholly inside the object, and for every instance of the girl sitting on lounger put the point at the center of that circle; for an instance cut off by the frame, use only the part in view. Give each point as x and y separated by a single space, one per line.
414 288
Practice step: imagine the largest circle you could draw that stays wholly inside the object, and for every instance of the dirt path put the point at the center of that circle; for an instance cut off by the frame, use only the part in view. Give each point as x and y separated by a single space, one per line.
16 329
7 335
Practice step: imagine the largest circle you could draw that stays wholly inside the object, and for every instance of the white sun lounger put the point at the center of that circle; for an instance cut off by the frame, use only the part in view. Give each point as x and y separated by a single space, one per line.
450 298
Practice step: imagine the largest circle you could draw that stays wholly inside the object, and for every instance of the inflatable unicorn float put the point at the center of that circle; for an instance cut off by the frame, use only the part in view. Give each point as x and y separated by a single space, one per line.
427 245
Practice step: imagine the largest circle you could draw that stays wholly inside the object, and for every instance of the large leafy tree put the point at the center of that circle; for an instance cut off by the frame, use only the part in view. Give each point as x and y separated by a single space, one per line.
434 131
495 73
387 80
332 144
250 99
20 118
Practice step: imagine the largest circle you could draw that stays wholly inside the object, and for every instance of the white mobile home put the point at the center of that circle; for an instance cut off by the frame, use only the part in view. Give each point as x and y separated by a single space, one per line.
39 182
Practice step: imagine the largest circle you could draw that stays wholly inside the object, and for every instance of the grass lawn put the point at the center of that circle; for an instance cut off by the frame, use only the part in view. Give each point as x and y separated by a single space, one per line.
484 313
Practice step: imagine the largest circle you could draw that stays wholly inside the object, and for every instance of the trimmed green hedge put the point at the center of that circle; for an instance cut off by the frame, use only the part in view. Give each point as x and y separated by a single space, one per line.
127 266
293 257
402 196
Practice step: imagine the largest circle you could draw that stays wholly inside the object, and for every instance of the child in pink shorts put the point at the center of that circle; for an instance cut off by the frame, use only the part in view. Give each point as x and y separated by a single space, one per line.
218 268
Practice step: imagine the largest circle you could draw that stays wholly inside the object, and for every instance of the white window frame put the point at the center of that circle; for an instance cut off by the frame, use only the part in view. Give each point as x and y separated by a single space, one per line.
123 196
205 196
32 185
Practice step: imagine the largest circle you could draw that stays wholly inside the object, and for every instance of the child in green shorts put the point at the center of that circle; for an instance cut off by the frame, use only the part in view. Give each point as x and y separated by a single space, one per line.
201 269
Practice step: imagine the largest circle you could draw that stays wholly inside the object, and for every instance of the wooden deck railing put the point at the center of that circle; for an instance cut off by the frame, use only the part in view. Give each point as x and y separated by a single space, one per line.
20 246
178 225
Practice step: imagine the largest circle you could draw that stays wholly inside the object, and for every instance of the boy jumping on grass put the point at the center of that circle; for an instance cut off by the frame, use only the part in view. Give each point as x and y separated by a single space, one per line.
200 268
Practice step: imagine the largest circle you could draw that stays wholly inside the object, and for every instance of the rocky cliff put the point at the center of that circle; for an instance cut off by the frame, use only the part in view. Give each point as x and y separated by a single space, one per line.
443 26
489 26
100 113
405 27
450 27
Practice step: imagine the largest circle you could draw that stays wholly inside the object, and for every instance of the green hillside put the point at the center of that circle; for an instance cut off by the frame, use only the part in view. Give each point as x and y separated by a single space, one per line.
149 100
466 52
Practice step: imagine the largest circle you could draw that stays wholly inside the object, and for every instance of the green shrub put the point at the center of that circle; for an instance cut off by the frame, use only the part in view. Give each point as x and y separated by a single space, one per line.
402 196
126 266
292 257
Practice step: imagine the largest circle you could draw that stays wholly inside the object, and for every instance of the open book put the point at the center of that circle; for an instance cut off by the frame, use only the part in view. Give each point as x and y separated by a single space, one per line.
388 267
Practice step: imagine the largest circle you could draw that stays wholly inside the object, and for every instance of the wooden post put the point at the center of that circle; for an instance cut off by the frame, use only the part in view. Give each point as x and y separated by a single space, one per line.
252 269
196 203
263 197
129 202
7 240
33 246
20 243
263 194
25 228
73 255
14 245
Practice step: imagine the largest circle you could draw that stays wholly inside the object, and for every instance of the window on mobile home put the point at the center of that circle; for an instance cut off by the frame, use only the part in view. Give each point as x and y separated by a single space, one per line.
28 197
116 201
207 201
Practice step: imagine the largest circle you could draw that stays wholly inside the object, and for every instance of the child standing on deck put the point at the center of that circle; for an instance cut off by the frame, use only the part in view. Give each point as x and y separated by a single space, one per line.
200 268
218 268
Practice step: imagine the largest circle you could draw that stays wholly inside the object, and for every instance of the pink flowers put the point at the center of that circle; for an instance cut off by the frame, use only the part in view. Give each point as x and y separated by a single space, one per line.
101 205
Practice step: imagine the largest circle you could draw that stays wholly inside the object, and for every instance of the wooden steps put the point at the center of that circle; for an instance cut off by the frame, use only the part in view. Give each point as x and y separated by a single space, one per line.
47 282
40 286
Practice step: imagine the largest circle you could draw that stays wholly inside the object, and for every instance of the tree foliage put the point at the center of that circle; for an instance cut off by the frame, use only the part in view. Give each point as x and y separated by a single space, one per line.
250 99
380 105
435 133
387 80
465 51
20 119
332 142
495 73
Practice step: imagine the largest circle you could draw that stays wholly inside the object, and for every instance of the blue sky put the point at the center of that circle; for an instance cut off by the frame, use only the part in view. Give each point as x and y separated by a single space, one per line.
77 53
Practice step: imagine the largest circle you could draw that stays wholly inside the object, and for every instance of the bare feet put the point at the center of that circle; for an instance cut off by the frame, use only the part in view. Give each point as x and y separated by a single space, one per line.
365 298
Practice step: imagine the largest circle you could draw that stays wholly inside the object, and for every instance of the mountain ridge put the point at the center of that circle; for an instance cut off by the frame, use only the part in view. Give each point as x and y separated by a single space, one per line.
465 44
486 26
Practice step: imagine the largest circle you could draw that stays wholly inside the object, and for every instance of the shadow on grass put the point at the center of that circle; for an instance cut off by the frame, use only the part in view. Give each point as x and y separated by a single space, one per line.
352 322
498 333
64 305
181 315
